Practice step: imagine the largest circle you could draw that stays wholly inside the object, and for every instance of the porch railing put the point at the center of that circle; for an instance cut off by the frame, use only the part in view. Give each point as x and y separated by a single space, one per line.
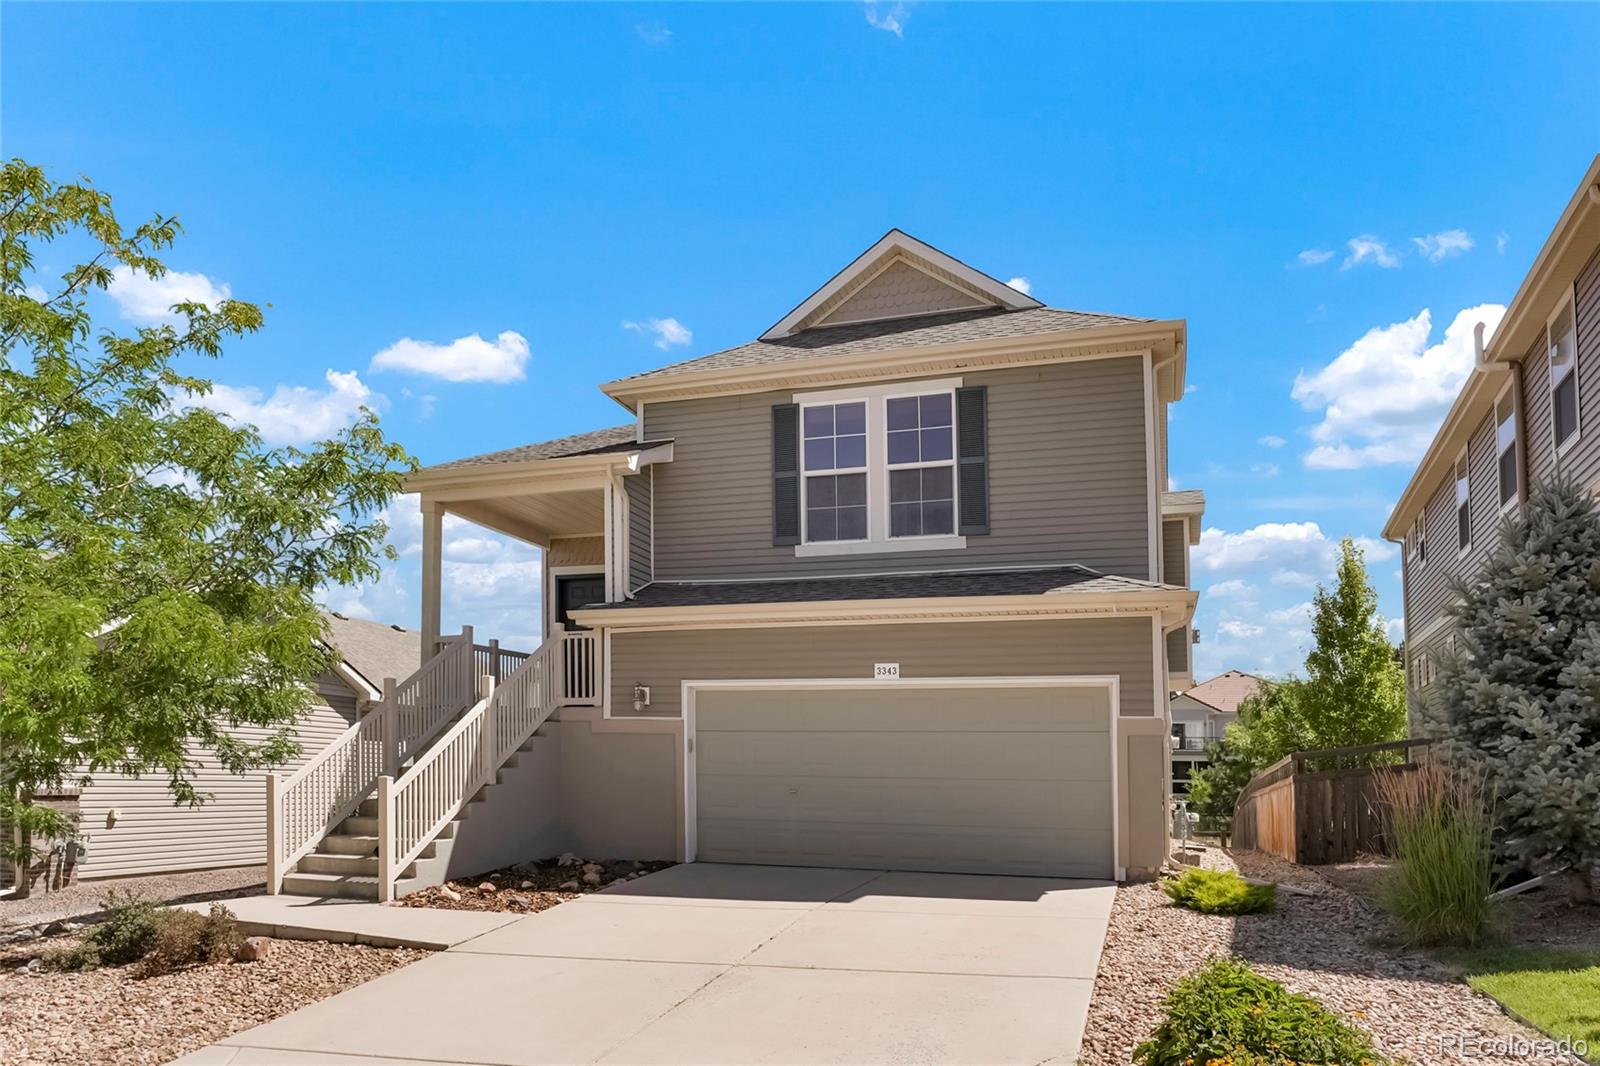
305 806
581 675
415 807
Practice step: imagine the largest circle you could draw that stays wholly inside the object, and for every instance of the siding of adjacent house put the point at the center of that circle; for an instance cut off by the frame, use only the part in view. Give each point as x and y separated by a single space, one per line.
664 660
152 835
1428 586
1067 480
640 498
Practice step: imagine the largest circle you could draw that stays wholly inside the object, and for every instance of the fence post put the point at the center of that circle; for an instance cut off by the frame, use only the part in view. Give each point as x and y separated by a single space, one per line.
385 838
487 730
494 659
389 727
274 838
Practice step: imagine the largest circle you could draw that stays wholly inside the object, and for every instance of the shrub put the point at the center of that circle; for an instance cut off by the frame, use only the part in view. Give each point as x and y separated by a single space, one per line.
1226 1012
1441 836
185 938
1219 892
124 936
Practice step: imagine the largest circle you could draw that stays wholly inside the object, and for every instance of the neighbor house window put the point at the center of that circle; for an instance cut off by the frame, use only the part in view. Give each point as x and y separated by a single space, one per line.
1505 443
1419 538
1463 510
921 461
1562 338
834 451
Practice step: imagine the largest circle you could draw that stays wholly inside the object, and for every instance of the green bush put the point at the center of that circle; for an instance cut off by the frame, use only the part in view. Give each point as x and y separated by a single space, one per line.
1219 892
124 936
185 938
1226 1013
1441 836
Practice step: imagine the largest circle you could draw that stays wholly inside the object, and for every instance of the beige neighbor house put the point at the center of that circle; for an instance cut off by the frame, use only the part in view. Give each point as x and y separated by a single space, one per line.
130 826
1200 715
882 588
1529 411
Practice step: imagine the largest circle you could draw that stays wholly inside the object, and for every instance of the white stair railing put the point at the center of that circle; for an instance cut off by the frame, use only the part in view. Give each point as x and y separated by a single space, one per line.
305 806
580 674
415 807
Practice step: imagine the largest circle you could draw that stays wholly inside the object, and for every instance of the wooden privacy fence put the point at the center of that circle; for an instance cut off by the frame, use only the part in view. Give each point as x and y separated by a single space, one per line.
1317 807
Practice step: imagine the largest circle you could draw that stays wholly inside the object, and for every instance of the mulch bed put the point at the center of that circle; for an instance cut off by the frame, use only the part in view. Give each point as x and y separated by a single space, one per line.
530 887
1321 940
114 1015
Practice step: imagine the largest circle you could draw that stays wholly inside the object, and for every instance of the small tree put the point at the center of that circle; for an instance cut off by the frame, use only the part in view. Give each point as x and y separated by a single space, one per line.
158 566
1521 697
1233 760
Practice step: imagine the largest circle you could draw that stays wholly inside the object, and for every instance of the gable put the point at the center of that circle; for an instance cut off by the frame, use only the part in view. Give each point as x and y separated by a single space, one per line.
899 290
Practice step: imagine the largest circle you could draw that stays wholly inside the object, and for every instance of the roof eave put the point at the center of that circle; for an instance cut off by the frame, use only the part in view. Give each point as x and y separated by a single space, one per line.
629 460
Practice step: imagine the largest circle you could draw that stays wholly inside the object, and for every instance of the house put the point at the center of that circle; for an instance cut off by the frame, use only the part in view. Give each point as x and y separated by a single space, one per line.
1526 413
890 586
1200 715
129 826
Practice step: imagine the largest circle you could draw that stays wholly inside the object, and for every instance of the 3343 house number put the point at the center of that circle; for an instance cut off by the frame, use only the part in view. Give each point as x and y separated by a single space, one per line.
886 671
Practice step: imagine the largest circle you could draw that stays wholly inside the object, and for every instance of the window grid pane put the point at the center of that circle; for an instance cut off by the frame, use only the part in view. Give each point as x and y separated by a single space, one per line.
835 436
836 507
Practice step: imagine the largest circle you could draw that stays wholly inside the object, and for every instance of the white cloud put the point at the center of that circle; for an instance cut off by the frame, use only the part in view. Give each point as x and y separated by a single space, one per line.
1314 256
1022 285
1293 579
653 33
1383 397
1275 546
1437 247
889 18
1265 469
469 358
1369 249
1232 588
664 332
149 301
1501 240
426 402
35 292
293 414
1271 441
1233 627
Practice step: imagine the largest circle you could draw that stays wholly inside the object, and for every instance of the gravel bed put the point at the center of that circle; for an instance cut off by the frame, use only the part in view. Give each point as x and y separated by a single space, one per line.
1321 941
530 887
84 898
113 1016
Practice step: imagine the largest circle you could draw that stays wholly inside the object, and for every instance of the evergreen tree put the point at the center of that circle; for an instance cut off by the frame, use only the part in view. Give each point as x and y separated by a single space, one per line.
1521 695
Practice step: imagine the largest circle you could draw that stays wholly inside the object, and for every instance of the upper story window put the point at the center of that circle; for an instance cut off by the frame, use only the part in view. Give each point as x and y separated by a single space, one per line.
835 457
879 469
1505 445
1463 501
1561 335
1419 538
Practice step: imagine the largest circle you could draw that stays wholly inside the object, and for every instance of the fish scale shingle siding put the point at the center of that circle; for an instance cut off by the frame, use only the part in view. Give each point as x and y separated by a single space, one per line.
1067 480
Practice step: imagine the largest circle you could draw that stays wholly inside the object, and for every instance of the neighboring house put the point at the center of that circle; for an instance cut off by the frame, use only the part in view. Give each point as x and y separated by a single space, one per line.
1527 413
885 587
1201 715
132 826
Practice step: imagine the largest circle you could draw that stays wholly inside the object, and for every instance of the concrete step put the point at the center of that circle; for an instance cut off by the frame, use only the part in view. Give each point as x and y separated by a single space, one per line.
353 865
342 886
347 844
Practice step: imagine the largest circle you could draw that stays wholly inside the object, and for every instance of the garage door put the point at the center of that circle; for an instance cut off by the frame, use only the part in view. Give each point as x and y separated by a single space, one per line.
993 779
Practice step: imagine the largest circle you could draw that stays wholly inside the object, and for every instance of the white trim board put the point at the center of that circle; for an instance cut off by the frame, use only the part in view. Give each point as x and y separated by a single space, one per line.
1111 682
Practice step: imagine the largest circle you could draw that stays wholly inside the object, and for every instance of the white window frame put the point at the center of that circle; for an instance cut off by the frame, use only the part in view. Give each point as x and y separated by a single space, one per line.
1500 450
889 468
806 475
1463 479
1569 305
878 540
1419 539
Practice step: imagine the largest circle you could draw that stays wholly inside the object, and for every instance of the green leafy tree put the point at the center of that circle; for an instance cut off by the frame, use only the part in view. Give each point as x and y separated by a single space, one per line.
1521 698
158 566
1246 747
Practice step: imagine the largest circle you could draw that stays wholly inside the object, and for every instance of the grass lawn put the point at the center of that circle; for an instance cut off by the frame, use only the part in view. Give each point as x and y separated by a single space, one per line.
1557 990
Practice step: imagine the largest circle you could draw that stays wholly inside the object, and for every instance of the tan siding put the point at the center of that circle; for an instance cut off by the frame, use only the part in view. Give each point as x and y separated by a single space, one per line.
1174 553
1536 403
152 835
576 551
1067 480
639 501
1120 646
1582 460
899 291
1178 650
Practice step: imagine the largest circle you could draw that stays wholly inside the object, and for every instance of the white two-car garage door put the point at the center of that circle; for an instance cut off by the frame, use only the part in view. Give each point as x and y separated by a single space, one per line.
999 778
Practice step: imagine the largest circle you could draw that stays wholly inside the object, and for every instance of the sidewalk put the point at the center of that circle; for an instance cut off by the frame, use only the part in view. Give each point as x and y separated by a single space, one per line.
353 921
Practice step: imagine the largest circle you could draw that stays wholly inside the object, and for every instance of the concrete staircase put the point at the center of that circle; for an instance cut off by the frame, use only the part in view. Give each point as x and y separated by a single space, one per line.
345 862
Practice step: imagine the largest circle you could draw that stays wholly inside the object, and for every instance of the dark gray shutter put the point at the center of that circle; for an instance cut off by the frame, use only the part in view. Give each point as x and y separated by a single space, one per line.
972 453
785 474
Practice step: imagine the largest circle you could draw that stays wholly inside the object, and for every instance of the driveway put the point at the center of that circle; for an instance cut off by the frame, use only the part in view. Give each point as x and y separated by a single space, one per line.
709 963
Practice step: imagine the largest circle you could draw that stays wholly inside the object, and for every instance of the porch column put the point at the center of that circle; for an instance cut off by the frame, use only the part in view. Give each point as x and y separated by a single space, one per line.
432 567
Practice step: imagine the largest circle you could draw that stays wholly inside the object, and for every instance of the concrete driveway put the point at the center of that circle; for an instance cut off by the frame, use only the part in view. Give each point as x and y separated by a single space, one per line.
713 963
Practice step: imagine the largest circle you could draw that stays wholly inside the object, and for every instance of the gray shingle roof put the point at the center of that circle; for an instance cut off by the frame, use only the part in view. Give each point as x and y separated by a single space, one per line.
951 327
1053 580
374 650
615 439
1183 497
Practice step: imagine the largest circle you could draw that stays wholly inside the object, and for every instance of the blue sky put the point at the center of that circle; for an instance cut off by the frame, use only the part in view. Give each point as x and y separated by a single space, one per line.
1320 190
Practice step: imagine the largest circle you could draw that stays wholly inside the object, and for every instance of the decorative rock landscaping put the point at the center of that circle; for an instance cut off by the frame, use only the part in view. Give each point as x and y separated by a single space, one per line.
530 887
